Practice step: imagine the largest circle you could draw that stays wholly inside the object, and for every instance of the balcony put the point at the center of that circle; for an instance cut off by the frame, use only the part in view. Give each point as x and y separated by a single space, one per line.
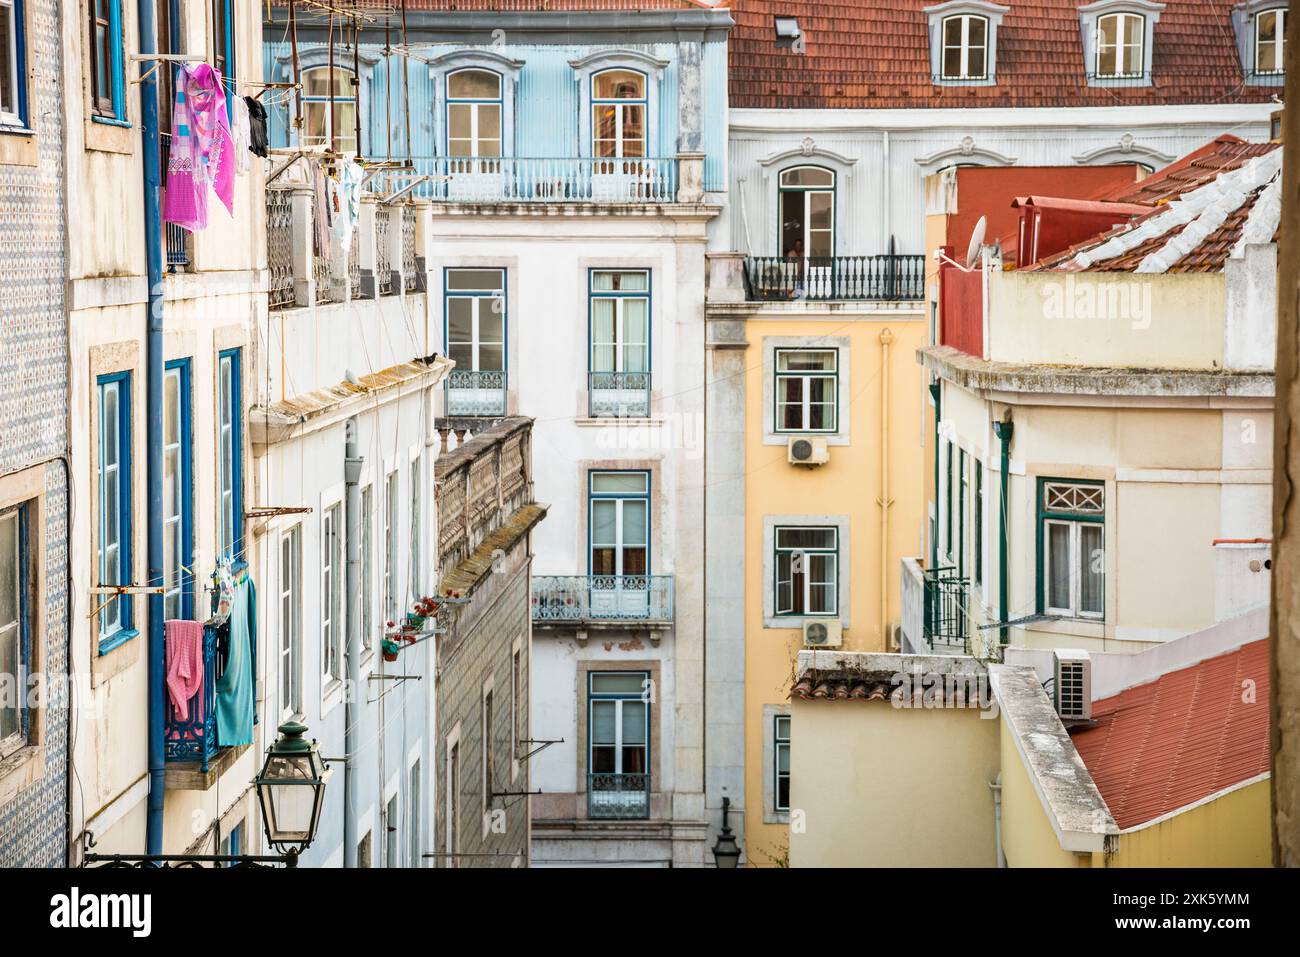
618 395
618 797
481 393
934 610
883 278
194 737
602 599
511 179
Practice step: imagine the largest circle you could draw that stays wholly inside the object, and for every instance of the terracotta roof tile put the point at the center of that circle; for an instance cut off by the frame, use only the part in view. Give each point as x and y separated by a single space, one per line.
874 53
1189 734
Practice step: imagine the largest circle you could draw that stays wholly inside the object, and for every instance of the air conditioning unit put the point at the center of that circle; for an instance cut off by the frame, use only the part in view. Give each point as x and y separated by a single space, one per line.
808 452
823 633
1073 685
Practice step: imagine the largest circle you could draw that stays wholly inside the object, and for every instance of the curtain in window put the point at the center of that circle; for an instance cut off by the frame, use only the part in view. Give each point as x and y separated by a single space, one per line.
1092 569
1058 560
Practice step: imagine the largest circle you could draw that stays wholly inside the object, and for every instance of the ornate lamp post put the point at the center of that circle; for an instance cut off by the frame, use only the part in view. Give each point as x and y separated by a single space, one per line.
726 852
291 790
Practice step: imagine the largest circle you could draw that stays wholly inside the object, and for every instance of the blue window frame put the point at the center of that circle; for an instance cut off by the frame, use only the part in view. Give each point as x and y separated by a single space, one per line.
618 744
107 66
223 46
618 510
178 492
15 627
618 113
618 342
230 455
474 113
476 331
329 107
113 545
13 64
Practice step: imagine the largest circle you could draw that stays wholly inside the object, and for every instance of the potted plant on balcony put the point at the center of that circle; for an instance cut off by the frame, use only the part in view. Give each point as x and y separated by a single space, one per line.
390 649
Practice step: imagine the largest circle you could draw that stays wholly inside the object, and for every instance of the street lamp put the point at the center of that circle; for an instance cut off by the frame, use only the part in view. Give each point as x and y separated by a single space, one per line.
291 790
726 853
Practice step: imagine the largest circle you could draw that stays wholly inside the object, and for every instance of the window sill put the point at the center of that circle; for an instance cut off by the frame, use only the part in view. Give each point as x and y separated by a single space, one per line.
20 771
116 640
796 622
838 437
110 121
18 147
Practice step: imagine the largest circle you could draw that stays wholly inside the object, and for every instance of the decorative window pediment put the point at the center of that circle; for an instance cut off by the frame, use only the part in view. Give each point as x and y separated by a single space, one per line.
965 153
475 93
619 92
964 41
1260 28
1118 41
1126 150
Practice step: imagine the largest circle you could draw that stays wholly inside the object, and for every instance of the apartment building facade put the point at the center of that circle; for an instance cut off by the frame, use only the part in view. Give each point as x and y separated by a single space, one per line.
36 678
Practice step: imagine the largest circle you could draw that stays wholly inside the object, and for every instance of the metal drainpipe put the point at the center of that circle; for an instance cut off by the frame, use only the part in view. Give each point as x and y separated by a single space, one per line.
935 393
1003 431
886 338
153 428
352 463
996 788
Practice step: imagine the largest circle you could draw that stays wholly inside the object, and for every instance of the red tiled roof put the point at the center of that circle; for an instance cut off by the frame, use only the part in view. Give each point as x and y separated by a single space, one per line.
1223 153
1167 744
842 689
517 6
875 53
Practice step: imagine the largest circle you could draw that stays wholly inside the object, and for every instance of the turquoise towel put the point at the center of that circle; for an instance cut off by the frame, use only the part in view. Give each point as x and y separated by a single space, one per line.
235 686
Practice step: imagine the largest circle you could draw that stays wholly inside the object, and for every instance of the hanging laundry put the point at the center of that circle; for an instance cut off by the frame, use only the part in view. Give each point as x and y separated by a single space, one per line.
235 686
183 647
322 237
201 150
241 134
258 142
345 197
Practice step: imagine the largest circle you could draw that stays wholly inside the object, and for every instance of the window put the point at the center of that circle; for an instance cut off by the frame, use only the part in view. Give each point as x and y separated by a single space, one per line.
807 385
329 109
965 48
1072 548
114 504
474 113
787 30
291 622
413 817
178 493
365 851
223 45
979 522
947 499
390 546
619 354
1120 41
230 455
367 568
453 802
807 213
618 113
618 735
392 852
516 703
331 628
807 560
962 516
488 756
475 312
233 843
416 491
781 743
13 64
15 628
107 76
1270 41
619 504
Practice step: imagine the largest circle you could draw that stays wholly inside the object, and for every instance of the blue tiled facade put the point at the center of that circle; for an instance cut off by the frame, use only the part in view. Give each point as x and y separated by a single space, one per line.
34 417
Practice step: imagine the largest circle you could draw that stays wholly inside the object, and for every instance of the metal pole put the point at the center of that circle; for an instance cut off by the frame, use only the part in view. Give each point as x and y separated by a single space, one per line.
1003 431
352 463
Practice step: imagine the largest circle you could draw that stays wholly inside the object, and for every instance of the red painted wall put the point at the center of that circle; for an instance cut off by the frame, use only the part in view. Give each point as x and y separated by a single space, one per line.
961 301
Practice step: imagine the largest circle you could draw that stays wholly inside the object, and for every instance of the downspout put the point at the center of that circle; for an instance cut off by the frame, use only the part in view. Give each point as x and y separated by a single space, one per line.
996 788
886 337
1003 431
153 428
352 462
935 393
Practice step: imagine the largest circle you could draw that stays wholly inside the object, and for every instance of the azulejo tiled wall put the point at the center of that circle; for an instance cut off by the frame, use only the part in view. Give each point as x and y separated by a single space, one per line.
34 415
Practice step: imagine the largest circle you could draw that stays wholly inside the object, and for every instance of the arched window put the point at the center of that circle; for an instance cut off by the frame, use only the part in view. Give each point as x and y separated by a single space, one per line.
474 113
336 128
1120 41
965 47
807 212
618 113
1270 40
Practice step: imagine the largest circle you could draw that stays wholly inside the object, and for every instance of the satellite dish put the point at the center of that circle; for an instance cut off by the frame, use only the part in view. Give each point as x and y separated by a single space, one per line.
976 241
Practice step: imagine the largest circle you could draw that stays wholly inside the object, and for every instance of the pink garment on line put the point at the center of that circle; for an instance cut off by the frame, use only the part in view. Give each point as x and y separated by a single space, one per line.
202 151
183 643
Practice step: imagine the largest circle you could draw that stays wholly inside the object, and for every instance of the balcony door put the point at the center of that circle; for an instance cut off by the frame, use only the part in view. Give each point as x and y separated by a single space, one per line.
474 135
806 206
618 768
620 344
618 133
619 529
476 340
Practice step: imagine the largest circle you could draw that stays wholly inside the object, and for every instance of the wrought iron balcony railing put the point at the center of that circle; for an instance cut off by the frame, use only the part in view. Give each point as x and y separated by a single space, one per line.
618 797
191 735
619 395
602 598
945 619
517 179
481 393
886 278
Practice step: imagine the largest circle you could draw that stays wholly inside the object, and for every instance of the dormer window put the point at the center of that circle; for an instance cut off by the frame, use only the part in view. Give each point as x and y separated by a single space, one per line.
618 105
964 41
1120 45
1270 41
965 47
474 113
787 31
1118 41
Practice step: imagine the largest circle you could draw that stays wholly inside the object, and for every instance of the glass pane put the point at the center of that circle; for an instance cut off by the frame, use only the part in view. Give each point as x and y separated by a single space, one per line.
634 561
345 127
619 85
783 760
819 210
603 519
619 482
462 353
9 565
1058 558
1092 569
975 62
460 320
631 682
952 32
489 122
620 281
807 176
109 423
805 538
603 715
474 85
634 759
10 715
633 129
603 312
633 722
602 561
475 280
805 360
460 120
314 131
783 728
976 32
636 321
634 523
952 61
603 759
317 82
491 357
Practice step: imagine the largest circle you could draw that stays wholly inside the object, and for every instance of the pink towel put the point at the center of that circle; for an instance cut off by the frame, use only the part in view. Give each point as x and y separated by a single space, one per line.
183 641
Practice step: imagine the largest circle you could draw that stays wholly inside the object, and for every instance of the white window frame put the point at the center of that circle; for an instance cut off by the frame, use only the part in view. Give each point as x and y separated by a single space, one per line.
367 567
620 104
491 299
291 629
452 778
808 583
414 578
1075 526
965 47
333 612
392 522
1123 70
1278 42
779 743
806 377
310 103
475 104
14 631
